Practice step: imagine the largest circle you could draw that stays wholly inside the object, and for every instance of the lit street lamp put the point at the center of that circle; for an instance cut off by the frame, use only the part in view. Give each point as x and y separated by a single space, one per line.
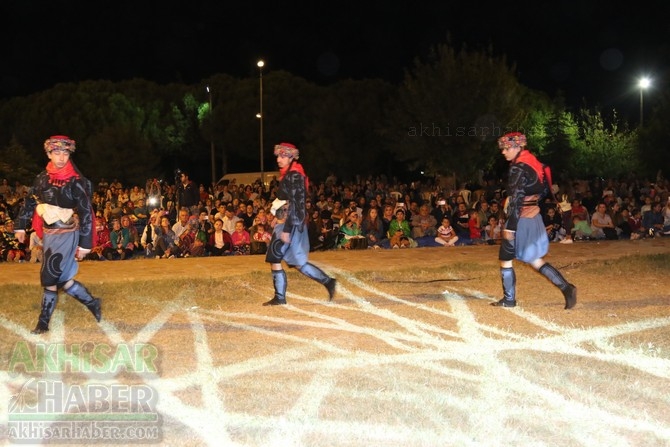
260 64
643 84
211 137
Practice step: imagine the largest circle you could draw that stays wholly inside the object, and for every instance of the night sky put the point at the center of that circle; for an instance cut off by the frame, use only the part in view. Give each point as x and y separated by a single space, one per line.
591 53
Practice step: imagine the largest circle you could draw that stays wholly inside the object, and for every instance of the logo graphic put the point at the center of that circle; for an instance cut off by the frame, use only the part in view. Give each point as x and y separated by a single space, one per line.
56 412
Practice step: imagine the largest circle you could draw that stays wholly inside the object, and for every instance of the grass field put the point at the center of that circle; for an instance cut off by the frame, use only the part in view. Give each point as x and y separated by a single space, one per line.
408 354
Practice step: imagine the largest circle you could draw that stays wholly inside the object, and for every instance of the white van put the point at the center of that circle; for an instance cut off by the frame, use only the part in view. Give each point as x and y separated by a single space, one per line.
248 178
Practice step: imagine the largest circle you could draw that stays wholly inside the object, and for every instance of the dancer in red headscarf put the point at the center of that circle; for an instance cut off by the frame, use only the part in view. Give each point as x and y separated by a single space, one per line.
60 210
290 238
524 235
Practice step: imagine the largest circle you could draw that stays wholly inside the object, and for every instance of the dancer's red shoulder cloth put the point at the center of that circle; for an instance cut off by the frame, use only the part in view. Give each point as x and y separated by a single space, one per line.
58 177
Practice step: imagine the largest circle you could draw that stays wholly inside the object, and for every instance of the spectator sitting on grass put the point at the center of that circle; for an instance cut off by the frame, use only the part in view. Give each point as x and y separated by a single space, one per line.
581 230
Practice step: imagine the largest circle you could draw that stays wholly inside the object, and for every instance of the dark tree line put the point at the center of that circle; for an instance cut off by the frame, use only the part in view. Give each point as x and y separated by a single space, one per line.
443 119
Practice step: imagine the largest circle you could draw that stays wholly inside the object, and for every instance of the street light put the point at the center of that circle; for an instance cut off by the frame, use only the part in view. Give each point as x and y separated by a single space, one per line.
260 65
211 137
643 84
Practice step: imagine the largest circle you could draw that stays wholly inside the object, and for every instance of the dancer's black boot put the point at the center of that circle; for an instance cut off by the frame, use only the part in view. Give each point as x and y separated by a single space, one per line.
318 275
79 292
569 290
279 281
509 288
49 299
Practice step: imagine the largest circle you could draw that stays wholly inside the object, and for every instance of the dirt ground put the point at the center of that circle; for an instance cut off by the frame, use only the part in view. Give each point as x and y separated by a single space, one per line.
408 354
355 261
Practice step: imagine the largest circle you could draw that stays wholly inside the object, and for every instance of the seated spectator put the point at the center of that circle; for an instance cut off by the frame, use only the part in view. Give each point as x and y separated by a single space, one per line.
553 224
10 247
581 230
204 223
328 237
313 228
103 244
653 220
623 228
349 231
441 209
423 223
241 239
461 221
372 228
602 226
399 231
180 226
493 231
141 212
446 235
248 216
635 224
192 240
260 240
337 214
474 227
579 210
149 235
666 218
122 244
165 246
35 248
127 224
220 242
230 220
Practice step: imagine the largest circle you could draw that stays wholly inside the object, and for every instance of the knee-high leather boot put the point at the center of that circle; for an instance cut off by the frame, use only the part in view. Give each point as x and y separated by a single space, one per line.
318 275
279 282
49 299
569 290
79 292
508 277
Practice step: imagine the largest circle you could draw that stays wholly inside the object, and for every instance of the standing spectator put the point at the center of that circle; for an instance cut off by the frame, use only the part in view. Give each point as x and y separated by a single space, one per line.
290 239
57 193
524 235
187 193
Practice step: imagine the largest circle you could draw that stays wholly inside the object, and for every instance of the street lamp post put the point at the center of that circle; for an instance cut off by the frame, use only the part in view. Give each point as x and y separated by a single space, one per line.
643 84
260 65
211 137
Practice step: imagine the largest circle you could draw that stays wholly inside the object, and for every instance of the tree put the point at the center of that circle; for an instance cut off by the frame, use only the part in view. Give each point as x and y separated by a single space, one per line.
17 164
452 109
604 149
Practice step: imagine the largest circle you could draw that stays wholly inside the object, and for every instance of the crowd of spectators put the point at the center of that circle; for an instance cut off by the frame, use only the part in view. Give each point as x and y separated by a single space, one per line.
229 219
